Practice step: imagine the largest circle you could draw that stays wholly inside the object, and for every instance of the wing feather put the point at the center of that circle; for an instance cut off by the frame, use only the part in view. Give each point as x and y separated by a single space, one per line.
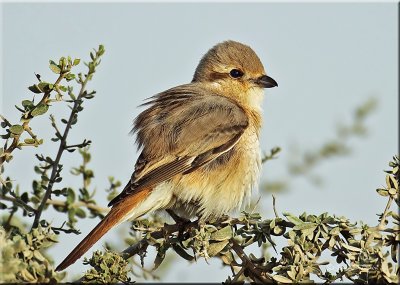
184 128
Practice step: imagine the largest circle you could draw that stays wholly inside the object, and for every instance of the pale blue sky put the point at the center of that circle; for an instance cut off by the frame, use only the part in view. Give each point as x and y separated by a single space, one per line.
327 59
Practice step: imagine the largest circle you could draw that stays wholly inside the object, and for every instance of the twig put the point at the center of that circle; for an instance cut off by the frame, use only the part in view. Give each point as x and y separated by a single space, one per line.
165 230
18 202
79 204
274 205
2 182
25 124
80 145
381 224
61 149
256 274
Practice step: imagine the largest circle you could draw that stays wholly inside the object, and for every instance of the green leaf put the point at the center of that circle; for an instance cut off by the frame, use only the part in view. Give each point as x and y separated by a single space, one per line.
16 129
27 103
382 192
80 213
40 110
281 279
295 220
182 253
101 50
29 141
305 226
277 230
391 182
25 197
160 256
70 196
215 248
335 231
70 76
45 86
351 248
76 61
54 67
222 234
35 89
38 256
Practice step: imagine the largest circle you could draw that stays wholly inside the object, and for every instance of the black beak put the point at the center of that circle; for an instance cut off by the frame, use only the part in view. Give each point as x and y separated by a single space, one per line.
266 82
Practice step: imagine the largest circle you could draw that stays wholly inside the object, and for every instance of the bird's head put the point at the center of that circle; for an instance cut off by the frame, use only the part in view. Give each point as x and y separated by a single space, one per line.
234 65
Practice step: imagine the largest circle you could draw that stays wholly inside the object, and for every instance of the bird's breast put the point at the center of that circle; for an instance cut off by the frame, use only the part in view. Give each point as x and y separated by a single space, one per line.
223 184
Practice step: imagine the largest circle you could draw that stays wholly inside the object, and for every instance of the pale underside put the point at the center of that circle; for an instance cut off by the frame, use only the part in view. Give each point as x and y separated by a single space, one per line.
215 188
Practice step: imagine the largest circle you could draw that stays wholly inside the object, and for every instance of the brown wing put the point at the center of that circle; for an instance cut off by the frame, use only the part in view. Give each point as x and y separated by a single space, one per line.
184 128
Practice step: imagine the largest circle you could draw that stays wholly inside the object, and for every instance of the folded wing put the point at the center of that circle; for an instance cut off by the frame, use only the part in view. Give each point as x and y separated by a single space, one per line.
184 128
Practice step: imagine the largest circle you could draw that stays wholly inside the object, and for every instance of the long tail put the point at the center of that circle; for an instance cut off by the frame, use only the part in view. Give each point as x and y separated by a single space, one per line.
117 214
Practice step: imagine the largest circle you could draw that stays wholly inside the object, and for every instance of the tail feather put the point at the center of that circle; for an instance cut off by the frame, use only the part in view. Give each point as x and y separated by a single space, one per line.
117 214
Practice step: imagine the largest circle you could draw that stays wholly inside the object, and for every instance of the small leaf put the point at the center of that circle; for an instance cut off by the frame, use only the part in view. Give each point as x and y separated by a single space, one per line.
16 129
38 256
295 220
29 141
55 68
227 258
277 230
281 279
393 252
35 89
70 76
40 110
101 50
160 256
19 109
80 213
71 196
182 253
351 248
335 231
305 226
382 192
215 248
222 234
27 103
76 61
391 182
25 197
392 191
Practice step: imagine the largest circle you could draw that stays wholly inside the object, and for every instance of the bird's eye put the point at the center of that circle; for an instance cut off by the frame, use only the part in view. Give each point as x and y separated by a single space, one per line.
236 73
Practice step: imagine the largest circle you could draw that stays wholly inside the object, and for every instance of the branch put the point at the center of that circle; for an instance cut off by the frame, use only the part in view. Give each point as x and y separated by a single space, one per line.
255 273
79 204
381 225
63 142
19 202
80 145
61 149
166 230
27 120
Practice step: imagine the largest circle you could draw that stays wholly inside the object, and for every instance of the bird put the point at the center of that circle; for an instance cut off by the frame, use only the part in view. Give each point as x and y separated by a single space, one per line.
198 142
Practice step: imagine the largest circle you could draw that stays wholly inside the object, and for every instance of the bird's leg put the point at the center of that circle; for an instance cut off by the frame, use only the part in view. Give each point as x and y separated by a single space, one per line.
181 222
176 218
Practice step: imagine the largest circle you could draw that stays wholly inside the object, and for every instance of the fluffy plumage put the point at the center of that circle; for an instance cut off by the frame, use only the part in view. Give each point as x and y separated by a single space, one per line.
199 144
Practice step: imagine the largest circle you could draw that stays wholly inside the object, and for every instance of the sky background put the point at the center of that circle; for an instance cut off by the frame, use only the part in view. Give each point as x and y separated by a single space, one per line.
327 58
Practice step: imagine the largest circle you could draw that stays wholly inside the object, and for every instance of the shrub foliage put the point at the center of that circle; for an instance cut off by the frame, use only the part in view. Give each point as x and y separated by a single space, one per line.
318 247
